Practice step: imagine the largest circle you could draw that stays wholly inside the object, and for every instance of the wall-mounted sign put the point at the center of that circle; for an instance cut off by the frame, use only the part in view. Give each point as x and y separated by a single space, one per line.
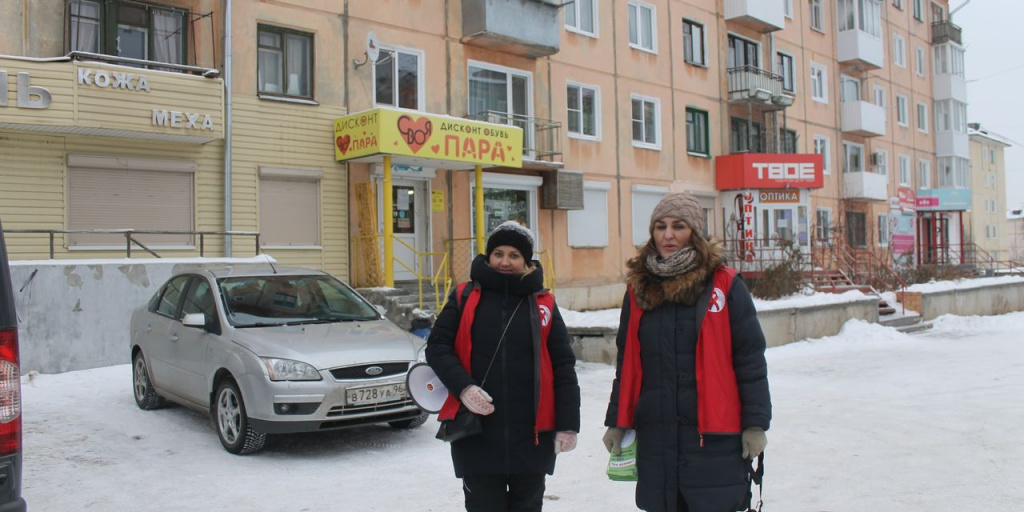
437 200
943 199
779 196
749 226
907 199
769 171
29 96
112 79
186 120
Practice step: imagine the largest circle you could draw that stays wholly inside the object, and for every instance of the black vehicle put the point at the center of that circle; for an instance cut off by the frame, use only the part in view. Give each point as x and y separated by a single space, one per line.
10 393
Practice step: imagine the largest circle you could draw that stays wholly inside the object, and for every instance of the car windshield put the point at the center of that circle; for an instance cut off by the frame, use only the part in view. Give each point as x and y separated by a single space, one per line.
259 301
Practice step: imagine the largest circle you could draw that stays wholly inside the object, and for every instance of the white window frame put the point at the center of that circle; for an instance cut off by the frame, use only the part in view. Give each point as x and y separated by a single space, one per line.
822 232
642 219
904 169
924 173
703 58
306 175
421 79
819 82
823 147
597 111
787 8
922 117
657 122
879 99
902 114
530 184
816 16
638 45
576 9
919 61
883 230
848 147
899 50
528 135
882 167
589 227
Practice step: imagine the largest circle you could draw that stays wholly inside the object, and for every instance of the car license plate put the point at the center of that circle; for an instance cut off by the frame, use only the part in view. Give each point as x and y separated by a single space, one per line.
375 394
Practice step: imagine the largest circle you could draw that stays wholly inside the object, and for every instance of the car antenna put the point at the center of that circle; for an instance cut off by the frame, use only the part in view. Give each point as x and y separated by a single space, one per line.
270 262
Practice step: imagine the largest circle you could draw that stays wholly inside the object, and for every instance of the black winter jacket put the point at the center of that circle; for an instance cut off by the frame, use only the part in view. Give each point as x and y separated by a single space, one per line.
671 463
507 445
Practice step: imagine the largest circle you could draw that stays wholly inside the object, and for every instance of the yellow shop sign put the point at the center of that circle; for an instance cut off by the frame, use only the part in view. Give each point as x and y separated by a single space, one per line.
383 131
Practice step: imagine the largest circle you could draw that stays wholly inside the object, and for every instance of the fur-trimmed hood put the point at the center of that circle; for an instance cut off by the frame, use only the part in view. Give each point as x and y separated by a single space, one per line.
652 291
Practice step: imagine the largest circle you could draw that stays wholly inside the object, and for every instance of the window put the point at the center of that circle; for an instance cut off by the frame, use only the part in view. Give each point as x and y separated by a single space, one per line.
924 174
199 299
863 15
817 17
285 62
744 137
948 59
743 52
583 104
850 90
953 172
918 10
507 197
904 170
951 115
821 147
502 95
788 140
922 117
898 4
645 198
289 207
589 227
581 17
919 61
787 9
642 26
881 161
880 99
991 154
819 83
693 43
396 76
899 50
856 230
170 300
823 223
646 123
697 132
883 230
943 119
784 67
130 193
901 110
853 160
127 29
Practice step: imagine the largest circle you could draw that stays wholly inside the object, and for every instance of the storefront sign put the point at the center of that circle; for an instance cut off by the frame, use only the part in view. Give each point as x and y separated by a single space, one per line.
769 171
29 96
943 199
903 229
187 120
779 196
437 200
749 226
384 131
112 79
907 199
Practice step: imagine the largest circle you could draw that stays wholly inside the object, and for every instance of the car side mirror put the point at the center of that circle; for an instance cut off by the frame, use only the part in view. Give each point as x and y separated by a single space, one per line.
194 320
381 309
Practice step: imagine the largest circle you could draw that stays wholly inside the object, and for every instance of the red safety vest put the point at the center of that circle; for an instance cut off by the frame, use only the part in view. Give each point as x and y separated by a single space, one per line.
545 396
718 397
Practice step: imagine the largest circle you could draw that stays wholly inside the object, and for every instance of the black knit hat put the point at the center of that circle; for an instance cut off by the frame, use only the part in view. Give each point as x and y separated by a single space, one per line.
514 234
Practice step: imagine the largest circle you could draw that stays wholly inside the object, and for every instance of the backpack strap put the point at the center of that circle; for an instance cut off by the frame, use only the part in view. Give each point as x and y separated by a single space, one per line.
464 290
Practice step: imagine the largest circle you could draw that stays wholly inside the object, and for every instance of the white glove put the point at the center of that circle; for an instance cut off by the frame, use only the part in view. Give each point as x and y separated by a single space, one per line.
565 441
476 400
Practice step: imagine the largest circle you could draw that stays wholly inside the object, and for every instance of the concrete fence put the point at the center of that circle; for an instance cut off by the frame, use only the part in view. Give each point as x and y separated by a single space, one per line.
966 300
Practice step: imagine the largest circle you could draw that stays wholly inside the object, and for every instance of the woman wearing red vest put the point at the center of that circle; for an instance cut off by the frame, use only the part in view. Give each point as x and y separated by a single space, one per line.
691 376
501 348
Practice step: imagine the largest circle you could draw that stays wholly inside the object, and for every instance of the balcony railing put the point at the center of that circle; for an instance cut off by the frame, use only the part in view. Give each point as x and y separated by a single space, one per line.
946 31
753 84
150 64
542 138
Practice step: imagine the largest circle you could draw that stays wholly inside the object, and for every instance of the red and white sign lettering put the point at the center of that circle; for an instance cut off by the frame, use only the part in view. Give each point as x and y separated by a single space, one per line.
769 171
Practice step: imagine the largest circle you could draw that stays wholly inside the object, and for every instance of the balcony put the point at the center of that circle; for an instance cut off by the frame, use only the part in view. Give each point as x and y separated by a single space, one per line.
861 49
749 84
542 138
528 28
863 118
866 186
949 87
760 15
945 31
950 143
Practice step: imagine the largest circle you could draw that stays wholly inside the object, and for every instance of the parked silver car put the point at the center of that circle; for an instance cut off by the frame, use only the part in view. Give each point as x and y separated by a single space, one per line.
271 350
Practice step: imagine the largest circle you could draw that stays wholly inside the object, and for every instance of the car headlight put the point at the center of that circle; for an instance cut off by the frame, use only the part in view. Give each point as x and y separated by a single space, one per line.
421 354
286 369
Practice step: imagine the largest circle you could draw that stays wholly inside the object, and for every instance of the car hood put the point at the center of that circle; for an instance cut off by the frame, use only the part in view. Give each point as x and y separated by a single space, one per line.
328 346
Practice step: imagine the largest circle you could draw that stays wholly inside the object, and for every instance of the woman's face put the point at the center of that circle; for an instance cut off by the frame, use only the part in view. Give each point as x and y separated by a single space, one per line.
670 235
507 260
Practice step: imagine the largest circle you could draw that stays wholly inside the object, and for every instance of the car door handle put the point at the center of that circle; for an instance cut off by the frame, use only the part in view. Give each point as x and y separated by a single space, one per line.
149 328
174 337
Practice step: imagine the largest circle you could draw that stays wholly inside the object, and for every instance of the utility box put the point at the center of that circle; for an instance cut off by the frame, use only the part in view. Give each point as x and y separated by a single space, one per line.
562 190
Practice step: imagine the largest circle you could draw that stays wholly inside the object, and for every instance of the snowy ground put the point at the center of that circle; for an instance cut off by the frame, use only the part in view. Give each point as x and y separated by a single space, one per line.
869 420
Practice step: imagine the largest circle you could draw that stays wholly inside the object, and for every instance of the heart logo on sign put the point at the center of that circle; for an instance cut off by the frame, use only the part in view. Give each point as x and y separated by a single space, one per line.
435 148
416 132
343 143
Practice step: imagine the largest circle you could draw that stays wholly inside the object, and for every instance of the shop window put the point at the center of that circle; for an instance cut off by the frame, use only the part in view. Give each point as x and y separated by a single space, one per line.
396 78
285 62
127 29
589 227
289 207
507 197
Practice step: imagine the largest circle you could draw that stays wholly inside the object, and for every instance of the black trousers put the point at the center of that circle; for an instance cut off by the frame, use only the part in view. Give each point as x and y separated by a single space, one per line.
504 493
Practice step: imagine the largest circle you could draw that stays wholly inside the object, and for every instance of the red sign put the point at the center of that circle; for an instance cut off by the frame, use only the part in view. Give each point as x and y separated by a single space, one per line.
769 170
908 198
927 202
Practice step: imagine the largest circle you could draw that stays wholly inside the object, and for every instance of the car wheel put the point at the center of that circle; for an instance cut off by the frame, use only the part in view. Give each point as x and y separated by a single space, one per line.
232 423
145 396
410 423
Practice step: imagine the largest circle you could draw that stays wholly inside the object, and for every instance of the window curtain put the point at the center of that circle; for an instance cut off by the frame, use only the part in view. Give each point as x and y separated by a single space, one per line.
85 27
488 91
167 37
297 58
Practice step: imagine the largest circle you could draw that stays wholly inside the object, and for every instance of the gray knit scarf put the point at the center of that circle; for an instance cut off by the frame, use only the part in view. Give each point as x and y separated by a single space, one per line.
678 263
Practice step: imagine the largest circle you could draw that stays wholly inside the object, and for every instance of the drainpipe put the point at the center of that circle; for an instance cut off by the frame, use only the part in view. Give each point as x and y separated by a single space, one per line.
227 126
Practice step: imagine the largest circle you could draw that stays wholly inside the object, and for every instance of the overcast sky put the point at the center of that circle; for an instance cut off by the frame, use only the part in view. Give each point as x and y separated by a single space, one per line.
994 37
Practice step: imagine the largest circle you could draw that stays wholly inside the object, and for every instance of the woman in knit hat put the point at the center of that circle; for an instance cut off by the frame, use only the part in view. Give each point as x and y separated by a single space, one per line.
501 348
691 376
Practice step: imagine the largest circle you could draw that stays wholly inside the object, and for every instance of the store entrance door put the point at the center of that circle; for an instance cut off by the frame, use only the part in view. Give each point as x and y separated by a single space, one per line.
410 224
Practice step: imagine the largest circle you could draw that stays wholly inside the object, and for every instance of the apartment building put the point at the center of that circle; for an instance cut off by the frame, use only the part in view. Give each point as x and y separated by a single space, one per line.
1015 234
989 227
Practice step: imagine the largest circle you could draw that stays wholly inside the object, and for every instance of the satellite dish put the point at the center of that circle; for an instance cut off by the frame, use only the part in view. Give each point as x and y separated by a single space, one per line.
372 46
426 388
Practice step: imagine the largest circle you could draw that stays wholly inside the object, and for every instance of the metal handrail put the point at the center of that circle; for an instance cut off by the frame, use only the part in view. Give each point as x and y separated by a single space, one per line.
744 78
946 30
541 137
130 238
420 255
114 59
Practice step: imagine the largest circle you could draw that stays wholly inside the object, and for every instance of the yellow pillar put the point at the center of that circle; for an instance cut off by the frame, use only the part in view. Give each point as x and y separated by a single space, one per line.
389 227
479 201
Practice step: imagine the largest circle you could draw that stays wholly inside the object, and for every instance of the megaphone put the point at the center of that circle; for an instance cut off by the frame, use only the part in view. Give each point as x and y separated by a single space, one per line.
425 388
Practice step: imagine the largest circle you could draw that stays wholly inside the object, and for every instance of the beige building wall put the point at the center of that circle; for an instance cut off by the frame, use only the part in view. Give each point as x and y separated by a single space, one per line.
988 226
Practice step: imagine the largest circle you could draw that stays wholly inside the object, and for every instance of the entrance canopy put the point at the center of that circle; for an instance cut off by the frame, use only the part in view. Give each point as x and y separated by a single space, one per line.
414 138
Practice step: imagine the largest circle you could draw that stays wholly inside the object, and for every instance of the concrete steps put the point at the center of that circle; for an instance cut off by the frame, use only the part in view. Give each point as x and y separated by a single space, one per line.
907 324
